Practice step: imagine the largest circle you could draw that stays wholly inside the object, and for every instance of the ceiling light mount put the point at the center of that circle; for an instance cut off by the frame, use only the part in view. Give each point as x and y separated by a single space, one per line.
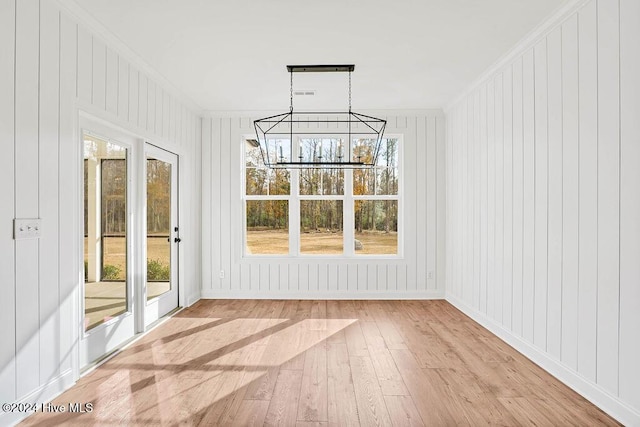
321 68
352 140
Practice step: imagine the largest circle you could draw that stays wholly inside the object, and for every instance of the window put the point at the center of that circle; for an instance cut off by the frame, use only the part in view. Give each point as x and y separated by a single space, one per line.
322 212
267 204
376 200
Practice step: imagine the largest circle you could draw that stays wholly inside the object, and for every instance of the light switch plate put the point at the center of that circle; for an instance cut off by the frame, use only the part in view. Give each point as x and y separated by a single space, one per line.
29 228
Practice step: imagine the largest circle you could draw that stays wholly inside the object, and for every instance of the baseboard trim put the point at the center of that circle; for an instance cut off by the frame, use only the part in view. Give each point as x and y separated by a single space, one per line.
192 299
329 295
589 390
42 394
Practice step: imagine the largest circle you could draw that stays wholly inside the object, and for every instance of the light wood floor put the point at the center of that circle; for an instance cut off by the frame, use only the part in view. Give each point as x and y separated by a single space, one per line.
322 363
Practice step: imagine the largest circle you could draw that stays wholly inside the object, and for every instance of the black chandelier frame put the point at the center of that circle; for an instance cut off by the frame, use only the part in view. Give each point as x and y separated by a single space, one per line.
335 123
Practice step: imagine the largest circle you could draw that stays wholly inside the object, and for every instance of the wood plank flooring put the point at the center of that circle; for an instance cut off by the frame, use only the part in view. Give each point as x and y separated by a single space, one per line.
316 363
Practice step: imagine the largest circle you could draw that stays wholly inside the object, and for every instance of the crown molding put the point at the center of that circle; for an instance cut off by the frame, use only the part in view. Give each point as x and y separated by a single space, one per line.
437 112
82 17
545 27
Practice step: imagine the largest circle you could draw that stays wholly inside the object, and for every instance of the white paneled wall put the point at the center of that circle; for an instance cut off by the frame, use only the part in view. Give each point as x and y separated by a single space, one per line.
50 68
543 202
423 223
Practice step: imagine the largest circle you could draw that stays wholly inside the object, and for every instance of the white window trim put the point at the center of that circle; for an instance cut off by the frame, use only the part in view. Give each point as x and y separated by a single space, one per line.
348 199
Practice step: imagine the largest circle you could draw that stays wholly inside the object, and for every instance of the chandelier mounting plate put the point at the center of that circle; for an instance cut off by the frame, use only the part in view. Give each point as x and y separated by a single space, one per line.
320 68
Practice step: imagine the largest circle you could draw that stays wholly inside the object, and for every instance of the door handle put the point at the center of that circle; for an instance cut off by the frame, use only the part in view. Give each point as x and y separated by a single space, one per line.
177 240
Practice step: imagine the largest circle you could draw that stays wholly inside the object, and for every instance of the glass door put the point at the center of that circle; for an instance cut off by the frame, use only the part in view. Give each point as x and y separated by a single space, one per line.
162 233
107 303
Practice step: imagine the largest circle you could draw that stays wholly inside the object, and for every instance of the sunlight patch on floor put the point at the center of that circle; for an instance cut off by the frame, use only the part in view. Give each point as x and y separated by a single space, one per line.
192 372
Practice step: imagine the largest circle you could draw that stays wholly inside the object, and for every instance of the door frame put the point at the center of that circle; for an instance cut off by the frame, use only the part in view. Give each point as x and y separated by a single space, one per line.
88 119
113 332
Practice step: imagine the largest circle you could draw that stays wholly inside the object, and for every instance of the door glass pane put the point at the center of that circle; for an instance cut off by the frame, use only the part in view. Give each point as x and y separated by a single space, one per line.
158 227
114 221
105 231
321 227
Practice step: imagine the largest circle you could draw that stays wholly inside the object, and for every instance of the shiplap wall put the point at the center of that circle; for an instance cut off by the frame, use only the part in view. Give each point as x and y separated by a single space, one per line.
51 67
544 203
423 222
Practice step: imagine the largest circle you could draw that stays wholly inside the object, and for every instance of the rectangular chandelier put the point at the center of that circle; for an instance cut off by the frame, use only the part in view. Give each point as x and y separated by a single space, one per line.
354 143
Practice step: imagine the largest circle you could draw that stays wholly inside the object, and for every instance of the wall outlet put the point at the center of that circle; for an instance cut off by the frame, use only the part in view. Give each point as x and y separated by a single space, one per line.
26 228
430 275
222 274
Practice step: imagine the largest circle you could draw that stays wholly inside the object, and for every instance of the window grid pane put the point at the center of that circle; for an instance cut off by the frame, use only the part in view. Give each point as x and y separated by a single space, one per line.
267 227
376 227
321 226
321 182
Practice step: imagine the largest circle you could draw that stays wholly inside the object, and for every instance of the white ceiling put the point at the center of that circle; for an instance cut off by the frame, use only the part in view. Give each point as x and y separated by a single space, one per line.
231 55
